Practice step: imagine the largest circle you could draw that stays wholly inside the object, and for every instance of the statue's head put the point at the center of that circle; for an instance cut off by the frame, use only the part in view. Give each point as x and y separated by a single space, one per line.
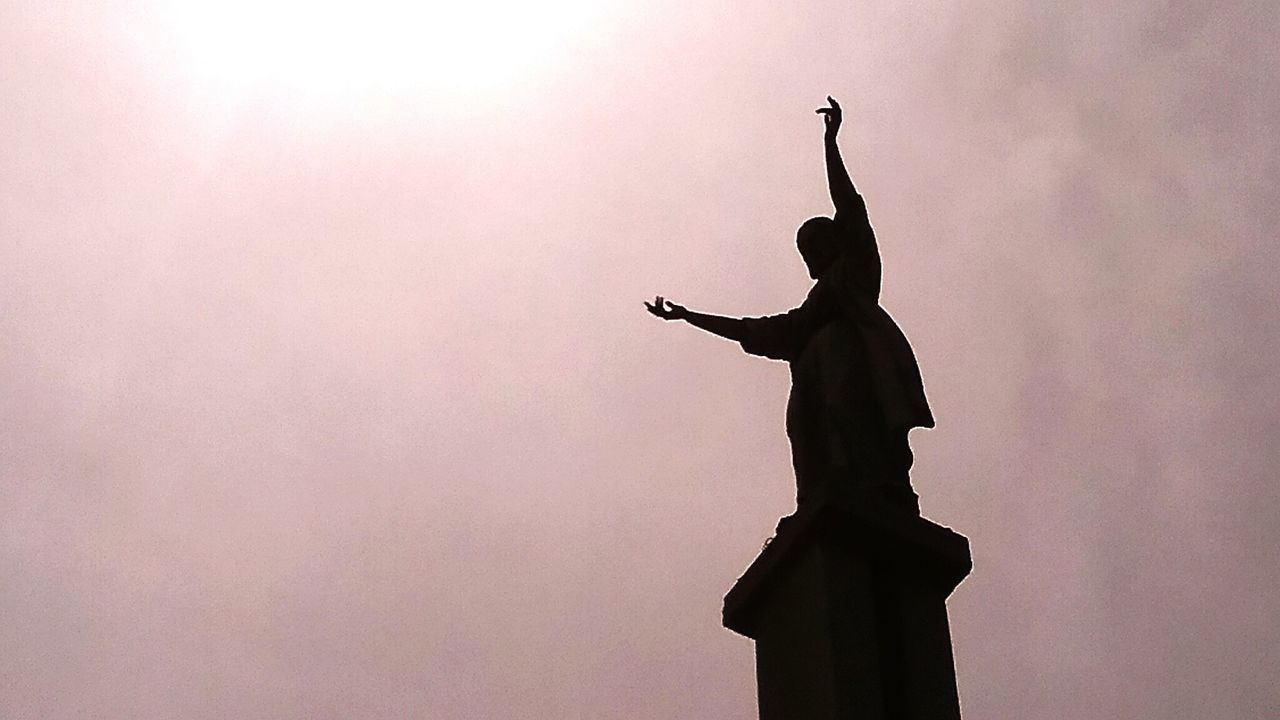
819 244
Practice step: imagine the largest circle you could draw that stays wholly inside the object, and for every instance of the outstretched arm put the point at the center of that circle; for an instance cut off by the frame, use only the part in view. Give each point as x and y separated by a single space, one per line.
726 327
843 195
780 337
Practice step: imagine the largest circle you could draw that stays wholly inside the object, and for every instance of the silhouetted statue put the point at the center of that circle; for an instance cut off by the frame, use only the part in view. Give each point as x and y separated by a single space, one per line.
855 386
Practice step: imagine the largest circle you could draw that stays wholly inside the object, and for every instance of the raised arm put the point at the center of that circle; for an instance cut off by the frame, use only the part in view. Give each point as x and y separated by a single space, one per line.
843 195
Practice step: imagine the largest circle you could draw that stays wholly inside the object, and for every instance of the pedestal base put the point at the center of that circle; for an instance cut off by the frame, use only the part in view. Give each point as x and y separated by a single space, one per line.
847 606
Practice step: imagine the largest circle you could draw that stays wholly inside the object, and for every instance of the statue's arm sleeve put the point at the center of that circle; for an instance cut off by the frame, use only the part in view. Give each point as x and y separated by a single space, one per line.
854 219
780 337
859 269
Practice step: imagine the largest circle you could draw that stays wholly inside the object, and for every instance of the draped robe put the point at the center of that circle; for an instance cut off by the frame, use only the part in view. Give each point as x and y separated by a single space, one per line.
855 385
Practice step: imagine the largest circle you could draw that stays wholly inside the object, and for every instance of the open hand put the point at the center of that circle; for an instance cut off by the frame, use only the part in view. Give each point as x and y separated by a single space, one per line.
666 309
831 116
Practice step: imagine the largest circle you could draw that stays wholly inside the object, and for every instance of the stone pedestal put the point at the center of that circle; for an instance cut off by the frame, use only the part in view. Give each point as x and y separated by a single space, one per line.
847 606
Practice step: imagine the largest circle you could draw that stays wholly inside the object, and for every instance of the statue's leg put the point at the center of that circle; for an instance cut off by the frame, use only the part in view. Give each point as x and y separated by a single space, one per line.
808 425
848 427
799 434
861 450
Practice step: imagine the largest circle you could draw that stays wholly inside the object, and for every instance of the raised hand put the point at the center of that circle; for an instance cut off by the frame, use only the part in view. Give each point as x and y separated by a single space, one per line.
831 116
667 310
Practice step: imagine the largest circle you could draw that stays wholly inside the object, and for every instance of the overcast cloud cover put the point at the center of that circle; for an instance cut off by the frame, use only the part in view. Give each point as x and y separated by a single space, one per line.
354 412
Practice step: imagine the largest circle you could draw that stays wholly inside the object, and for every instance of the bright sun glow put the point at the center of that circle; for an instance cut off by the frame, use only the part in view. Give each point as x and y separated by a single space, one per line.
426 49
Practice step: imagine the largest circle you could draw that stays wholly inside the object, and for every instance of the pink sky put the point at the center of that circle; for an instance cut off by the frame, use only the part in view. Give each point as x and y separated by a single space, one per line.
352 410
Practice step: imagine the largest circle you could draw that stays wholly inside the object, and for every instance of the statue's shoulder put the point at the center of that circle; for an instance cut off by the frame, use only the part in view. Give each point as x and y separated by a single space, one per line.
849 283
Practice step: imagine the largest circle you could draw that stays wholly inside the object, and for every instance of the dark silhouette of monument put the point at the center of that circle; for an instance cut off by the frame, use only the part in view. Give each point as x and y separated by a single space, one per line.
847 603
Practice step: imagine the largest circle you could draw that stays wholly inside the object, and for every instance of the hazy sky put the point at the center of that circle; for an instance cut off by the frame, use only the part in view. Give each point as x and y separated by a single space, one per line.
326 390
